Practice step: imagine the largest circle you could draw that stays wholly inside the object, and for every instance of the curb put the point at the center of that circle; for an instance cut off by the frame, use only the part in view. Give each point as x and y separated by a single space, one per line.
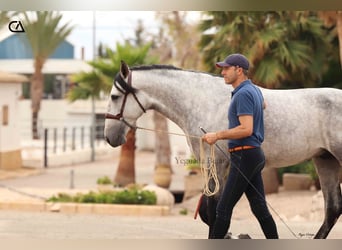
87 208
19 173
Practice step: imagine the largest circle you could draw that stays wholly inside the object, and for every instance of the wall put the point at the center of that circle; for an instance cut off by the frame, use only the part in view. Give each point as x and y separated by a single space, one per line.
9 136
10 154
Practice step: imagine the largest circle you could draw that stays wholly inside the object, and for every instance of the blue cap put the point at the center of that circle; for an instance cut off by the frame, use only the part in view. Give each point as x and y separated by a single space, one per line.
234 60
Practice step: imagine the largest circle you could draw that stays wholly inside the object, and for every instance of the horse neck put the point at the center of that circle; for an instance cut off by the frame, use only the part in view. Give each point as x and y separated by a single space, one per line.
182 96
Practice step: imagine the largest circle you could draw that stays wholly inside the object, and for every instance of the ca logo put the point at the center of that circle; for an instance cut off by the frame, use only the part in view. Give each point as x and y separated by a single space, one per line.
16 26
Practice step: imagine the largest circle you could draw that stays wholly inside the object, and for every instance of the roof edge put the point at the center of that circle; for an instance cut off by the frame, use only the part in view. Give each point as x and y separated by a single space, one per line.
6 77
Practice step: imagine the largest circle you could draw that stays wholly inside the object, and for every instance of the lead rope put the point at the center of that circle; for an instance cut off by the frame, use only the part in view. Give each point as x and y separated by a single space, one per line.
208 169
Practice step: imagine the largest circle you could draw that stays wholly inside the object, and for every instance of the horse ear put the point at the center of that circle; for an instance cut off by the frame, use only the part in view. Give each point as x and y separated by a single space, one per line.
124 69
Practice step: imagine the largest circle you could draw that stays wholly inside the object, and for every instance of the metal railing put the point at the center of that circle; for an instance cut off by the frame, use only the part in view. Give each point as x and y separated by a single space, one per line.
66 139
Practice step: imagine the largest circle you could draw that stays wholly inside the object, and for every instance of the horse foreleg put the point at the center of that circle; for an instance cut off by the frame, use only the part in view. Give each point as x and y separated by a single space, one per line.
207 211
328 171
212 204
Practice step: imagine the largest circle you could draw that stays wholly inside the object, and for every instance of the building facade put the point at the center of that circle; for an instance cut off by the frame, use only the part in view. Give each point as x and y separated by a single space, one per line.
10 147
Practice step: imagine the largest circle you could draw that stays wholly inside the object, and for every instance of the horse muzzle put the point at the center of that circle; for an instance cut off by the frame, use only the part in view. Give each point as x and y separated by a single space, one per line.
115 133
115 143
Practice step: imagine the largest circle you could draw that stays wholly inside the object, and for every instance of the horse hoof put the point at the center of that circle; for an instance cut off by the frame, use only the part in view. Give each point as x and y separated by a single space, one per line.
240 236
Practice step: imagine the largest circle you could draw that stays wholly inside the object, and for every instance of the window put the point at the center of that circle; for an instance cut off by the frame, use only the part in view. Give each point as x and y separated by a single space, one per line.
5 115
99 126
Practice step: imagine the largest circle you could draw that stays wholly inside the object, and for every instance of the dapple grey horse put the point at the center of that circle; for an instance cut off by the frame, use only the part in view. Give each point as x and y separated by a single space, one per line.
300 124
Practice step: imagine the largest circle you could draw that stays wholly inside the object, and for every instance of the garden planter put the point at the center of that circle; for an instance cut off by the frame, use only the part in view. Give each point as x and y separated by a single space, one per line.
162 176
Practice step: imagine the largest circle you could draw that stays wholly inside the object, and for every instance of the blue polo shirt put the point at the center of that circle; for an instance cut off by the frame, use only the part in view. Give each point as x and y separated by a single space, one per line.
247 99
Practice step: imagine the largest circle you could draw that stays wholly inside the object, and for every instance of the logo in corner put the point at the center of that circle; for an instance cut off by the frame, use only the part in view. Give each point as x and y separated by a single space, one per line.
16 26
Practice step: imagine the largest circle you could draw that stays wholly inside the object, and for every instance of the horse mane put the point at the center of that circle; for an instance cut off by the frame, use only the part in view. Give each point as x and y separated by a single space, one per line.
167 67
155 66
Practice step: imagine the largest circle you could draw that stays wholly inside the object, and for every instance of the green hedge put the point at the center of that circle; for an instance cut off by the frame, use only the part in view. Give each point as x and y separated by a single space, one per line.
105 180
126 196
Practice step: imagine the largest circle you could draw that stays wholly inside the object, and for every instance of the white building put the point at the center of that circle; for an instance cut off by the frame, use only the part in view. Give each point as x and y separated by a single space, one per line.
10 144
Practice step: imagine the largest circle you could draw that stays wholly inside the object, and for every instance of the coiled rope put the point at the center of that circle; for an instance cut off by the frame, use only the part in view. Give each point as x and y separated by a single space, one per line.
208 169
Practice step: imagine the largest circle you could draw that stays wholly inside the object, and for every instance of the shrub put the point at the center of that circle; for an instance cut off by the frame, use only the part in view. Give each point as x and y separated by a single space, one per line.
311 170
127 196
88 198
306 167
183 211
136 196
104 180
61 197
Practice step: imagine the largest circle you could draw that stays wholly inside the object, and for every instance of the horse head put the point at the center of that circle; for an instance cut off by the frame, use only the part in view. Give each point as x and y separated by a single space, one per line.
126 104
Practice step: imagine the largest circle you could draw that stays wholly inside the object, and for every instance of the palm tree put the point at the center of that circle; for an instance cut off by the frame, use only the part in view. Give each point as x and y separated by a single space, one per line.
44 33
91 84
184 39
283 47
4 18
334 18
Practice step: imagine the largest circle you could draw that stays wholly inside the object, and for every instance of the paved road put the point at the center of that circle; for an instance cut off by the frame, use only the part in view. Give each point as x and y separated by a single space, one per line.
45 225
35 225
62 226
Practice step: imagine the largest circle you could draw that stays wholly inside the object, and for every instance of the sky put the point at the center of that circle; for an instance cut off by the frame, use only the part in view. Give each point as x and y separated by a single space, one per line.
110 27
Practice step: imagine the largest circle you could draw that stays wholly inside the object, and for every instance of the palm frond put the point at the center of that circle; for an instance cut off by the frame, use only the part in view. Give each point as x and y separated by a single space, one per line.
44 33
4 18
296 40
90 84
270 73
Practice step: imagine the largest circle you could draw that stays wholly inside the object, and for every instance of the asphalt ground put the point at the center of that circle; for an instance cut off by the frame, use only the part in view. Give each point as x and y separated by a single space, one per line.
42 183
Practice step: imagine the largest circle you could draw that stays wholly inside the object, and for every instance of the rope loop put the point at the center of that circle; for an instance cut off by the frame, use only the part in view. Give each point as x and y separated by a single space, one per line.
208 169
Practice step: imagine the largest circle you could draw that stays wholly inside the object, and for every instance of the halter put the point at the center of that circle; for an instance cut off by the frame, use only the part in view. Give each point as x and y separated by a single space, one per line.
125 88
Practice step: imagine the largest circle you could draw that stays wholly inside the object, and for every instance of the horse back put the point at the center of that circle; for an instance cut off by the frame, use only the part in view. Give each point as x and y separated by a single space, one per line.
300 123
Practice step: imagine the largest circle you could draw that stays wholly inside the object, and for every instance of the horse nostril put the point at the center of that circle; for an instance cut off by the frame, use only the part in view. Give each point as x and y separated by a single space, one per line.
107 140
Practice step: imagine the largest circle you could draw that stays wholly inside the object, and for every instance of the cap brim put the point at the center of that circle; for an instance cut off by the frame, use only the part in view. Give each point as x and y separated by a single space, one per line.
222 64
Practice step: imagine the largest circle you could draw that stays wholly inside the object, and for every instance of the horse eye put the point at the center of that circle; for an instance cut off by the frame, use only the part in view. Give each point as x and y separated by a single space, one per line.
114 97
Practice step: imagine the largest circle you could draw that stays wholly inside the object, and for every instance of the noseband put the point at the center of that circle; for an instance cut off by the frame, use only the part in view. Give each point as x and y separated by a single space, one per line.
125 88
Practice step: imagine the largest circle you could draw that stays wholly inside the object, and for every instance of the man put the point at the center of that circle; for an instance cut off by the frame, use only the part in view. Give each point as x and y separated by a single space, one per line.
245 135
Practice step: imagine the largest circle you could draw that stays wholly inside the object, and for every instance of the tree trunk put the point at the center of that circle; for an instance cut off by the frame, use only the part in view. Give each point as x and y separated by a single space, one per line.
125 173
36 90
331 18
163 171
339 33
162 143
